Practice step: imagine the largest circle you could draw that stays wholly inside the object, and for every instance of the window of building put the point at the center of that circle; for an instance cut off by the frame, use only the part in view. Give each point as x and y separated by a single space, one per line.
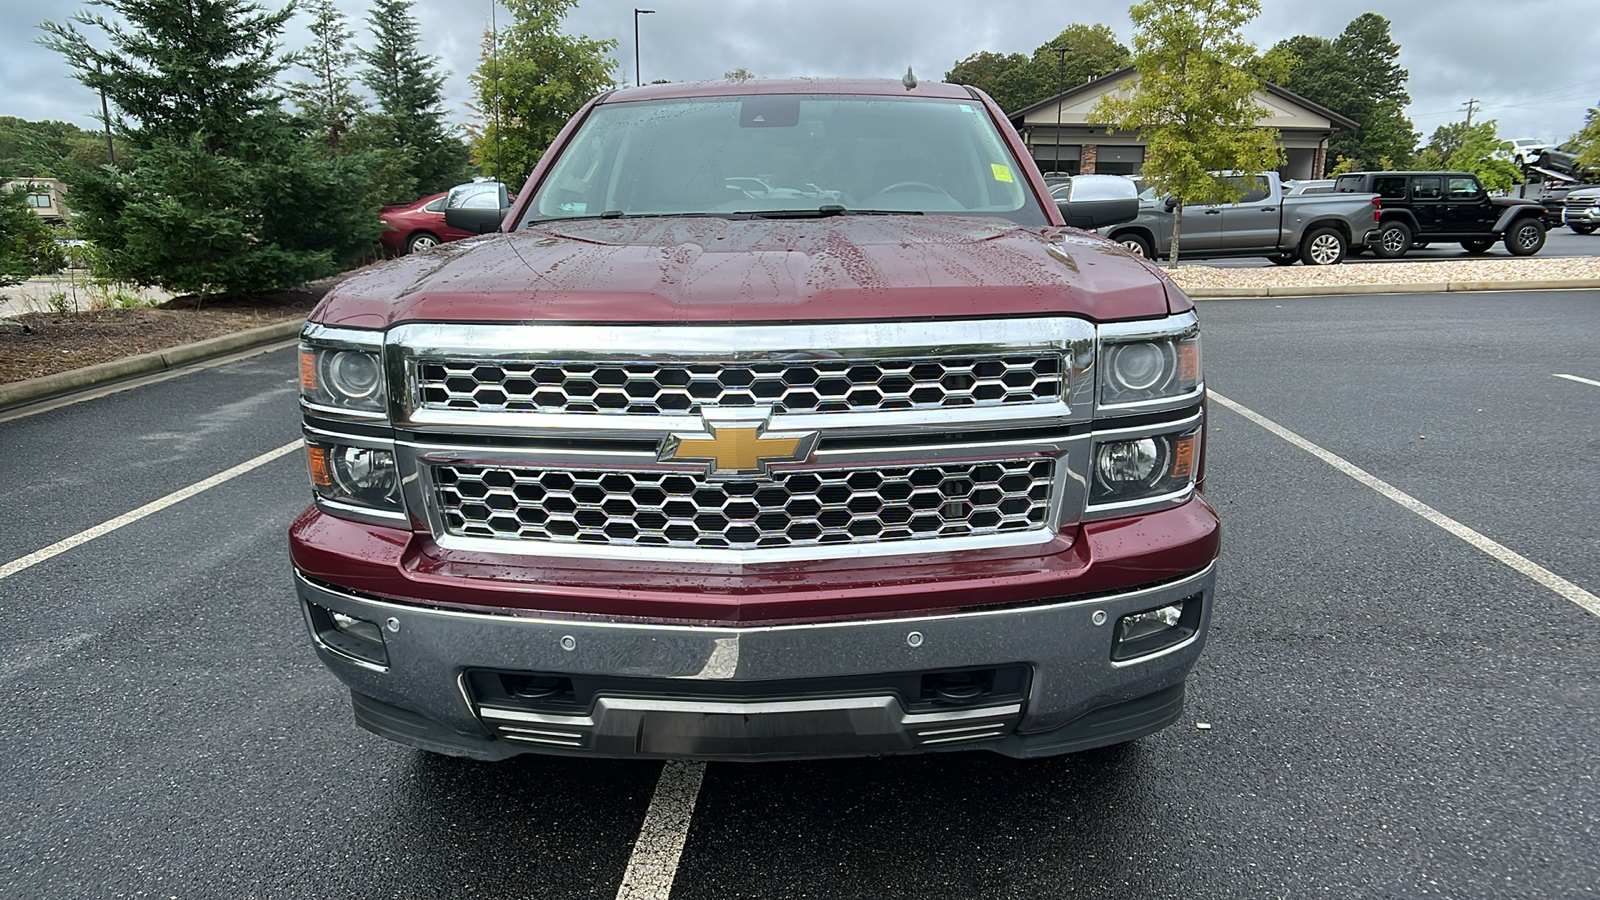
39 201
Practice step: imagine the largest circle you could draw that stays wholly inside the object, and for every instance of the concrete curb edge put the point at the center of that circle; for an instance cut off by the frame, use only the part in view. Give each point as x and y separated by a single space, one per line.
46 387
1351 290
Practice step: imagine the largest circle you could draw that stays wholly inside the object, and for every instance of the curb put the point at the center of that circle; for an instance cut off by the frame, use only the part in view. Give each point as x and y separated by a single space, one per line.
1351 290
34 389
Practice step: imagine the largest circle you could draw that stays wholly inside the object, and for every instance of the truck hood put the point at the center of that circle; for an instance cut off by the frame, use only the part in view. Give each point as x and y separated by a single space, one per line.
758 270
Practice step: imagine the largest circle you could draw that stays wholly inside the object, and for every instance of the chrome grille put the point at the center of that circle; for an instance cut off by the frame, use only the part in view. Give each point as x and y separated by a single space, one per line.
1580 202
783 509
809 386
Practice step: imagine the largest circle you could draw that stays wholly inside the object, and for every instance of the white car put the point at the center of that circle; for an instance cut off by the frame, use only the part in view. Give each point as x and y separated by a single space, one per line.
1522 148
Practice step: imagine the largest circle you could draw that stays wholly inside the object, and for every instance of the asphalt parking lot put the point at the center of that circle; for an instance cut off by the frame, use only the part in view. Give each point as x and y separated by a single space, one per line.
1396 708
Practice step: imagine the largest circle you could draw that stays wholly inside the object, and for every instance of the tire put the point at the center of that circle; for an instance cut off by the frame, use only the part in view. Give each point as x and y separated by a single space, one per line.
1323 247
1394 239
1135 243
1583 229
1287 259
420 241
1525 237
1477 248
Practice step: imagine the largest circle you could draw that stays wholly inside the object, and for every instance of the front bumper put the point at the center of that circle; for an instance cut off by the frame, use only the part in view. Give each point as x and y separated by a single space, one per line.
709 699
1587 216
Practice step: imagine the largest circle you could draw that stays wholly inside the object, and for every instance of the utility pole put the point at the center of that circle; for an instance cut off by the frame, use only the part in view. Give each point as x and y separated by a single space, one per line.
1471 106
1061 76
638 79
105 117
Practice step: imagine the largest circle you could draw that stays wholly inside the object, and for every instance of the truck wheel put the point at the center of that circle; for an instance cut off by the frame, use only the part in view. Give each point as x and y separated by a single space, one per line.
1477 248
1525 237
1583 229
1323 247
1136 245
1394 239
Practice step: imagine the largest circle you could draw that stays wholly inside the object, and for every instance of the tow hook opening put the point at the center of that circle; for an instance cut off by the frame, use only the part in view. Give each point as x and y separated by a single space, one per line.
345 634
1153 630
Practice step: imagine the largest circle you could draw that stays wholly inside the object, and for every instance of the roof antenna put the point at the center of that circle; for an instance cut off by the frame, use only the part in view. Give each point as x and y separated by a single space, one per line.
910 81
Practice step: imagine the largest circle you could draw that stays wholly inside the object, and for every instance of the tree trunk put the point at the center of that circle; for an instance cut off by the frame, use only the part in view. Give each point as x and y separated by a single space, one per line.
1177 232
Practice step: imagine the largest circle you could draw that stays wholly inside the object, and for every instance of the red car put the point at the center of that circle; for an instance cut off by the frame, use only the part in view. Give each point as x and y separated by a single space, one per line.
418 225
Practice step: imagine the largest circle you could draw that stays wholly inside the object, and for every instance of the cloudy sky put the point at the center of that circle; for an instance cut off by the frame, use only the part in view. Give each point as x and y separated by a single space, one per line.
1524 60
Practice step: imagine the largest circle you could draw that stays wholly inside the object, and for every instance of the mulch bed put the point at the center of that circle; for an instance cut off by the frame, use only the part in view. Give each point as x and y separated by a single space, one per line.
44 343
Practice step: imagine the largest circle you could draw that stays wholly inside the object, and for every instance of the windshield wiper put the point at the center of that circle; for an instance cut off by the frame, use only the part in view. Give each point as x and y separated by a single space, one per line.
619 214
823 212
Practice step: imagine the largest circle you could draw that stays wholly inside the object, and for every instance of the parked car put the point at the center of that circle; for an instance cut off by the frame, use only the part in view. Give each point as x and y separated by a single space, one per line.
418 225
1435 207
1581 210
1524 151
660 469
1313 228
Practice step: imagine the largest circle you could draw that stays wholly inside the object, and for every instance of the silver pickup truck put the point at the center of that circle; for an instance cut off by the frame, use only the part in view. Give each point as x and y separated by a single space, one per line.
1316 229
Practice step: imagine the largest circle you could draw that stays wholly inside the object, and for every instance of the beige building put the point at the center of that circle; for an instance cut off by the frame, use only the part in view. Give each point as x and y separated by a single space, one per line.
45 196
1080 146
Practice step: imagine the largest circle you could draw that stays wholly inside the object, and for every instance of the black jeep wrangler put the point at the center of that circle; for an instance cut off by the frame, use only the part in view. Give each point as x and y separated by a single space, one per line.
1419 208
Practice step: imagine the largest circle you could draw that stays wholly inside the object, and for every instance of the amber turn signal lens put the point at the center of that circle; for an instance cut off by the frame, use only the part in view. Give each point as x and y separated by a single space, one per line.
318 457
1183 456
1189 362
308 371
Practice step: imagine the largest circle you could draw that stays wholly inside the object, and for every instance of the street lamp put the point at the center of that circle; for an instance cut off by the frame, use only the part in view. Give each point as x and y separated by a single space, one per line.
637 78
1061 76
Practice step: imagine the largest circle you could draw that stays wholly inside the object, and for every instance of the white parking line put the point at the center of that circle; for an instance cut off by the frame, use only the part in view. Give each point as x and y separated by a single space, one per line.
1501 553
154 506
654 862
1579 380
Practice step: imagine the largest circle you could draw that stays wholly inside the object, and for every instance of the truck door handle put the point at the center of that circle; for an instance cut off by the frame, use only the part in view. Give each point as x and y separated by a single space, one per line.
1269 209
1213 212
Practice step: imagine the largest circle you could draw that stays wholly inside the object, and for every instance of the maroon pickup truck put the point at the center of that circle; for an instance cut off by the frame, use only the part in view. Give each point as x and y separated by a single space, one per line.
776 419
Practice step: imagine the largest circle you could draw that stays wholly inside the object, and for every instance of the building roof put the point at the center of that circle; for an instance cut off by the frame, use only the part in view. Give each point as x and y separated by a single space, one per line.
1103 83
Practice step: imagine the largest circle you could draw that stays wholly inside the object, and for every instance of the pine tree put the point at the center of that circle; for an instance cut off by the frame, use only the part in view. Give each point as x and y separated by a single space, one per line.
409 91
219 192
1193 102
328 102
1357 75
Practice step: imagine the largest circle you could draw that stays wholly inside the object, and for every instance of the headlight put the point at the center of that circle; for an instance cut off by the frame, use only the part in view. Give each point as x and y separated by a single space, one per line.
1149 362
344 378
1144 467
354 476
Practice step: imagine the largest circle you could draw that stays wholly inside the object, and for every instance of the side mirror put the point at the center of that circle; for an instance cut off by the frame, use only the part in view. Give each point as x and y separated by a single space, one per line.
478 207
1171 204
1096 201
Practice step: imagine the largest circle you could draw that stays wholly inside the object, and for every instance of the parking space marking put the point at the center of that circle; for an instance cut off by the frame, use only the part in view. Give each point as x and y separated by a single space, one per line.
654 862
154 506
1579 380
1499 552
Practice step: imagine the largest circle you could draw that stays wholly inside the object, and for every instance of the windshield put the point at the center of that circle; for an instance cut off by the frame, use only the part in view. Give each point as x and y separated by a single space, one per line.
782 154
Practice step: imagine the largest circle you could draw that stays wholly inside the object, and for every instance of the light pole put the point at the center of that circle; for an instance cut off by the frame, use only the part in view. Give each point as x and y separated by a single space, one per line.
638 79
1061 76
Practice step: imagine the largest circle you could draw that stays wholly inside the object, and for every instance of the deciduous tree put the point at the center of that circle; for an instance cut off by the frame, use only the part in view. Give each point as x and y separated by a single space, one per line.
1193 102
1459 147
1017 81
531 80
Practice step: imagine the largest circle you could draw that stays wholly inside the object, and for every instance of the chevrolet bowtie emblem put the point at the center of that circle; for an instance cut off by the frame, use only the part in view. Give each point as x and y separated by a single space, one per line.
736 443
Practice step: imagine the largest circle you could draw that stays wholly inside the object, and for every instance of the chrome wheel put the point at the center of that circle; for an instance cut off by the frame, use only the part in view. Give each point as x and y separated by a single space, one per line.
1527 236
1134 246
1326 249
1394 240
420 242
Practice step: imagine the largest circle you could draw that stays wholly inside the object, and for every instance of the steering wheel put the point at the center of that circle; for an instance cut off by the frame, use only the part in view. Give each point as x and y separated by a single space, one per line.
921 187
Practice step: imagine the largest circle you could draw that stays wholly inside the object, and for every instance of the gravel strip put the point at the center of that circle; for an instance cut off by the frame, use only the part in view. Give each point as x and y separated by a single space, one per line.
1500 269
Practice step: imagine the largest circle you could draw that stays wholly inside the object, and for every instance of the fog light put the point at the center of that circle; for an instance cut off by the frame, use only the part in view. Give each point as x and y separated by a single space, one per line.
349 636
1153 630
360 629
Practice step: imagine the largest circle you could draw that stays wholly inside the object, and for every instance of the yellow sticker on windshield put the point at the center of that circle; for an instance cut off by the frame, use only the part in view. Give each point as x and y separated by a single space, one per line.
1001 173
